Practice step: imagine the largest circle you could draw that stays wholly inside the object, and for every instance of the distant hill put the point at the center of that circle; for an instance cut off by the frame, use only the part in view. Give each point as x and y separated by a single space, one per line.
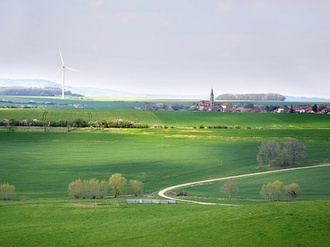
12 87
309 99
19 87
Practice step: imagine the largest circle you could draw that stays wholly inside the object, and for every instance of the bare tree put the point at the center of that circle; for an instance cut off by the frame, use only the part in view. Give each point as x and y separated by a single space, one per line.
270 151
229 187
118 183
295 149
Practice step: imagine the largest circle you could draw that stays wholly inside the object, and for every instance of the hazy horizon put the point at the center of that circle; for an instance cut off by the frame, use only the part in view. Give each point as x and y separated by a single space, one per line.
171 47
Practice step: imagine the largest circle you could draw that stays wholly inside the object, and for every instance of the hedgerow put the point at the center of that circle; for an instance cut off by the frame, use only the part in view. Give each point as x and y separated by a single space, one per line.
77 123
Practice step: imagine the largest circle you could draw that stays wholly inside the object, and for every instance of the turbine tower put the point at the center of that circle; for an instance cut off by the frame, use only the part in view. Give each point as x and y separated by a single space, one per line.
63 68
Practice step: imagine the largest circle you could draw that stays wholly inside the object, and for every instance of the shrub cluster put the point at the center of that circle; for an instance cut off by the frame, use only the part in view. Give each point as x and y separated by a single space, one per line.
13 122
7 191
117 123
223 126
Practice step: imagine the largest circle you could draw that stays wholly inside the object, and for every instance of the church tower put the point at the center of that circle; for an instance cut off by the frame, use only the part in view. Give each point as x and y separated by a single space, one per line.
212 99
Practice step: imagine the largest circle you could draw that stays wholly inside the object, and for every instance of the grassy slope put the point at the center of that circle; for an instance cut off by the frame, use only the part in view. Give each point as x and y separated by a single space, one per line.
48 162
64 224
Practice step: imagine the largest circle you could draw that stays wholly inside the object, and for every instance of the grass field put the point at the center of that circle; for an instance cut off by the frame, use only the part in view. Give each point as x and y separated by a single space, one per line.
48 162
42 164
68 223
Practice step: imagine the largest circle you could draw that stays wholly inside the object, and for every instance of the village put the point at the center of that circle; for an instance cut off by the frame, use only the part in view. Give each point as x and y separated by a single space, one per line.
211 105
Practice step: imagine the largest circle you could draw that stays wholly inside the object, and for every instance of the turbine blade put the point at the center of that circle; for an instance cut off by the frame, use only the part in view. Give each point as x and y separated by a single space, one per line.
57 73
61 56
72 69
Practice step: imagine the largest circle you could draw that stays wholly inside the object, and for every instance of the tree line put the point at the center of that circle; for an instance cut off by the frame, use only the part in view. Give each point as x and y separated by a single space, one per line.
78 123
95 189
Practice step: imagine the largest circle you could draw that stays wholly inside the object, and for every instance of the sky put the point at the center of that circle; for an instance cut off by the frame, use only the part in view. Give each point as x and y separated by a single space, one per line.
183 47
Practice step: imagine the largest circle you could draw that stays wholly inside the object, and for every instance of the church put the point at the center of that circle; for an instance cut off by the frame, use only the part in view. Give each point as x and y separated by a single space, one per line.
209 105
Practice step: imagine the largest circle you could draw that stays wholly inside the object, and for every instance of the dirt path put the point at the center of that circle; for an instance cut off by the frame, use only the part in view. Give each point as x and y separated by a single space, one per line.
162 192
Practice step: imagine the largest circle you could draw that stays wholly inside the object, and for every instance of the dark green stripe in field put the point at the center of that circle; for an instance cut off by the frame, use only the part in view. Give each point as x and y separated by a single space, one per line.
176 119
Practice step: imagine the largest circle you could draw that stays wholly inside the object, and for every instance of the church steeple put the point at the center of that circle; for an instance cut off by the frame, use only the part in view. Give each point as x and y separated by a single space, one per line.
212 99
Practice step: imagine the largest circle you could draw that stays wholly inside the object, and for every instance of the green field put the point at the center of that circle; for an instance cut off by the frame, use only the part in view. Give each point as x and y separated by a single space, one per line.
175 119
42 164
68 223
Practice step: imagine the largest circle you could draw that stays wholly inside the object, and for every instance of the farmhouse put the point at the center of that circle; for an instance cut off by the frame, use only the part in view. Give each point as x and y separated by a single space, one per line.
210 105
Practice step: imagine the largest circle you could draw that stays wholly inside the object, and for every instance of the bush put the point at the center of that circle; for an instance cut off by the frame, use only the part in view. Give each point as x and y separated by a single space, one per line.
292 190
79 122
7 192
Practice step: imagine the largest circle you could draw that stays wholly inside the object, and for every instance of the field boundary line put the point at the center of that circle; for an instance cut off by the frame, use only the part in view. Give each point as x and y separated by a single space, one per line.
163 191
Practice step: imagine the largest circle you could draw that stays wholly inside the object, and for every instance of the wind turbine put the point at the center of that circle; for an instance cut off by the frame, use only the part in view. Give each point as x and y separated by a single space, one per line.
63 72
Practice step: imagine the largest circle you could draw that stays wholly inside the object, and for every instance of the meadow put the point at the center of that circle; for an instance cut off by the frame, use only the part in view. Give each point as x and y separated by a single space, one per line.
42 164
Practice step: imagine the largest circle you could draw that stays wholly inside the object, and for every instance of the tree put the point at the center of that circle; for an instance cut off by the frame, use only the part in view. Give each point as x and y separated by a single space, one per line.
136 187
295 149
293 190
271 151
291 109
75 189
314 108
277 188
229 187
7 191
272 191
118 183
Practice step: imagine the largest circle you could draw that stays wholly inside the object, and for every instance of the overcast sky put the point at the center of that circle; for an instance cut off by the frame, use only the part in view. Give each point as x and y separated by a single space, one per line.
171 46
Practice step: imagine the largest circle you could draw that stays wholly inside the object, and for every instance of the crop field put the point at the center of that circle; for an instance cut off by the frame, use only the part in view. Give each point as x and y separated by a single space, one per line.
42 164
176 119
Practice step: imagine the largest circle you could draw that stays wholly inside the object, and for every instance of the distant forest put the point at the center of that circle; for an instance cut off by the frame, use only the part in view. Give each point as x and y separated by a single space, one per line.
252 96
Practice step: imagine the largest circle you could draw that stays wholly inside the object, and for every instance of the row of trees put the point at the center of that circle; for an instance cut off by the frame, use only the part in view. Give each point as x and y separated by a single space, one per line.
269 192
93 188
273 190
7 191
277 154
